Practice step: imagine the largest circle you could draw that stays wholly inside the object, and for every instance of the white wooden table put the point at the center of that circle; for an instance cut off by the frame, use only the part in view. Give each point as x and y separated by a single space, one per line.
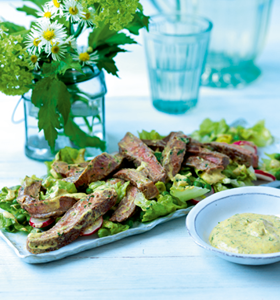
163 263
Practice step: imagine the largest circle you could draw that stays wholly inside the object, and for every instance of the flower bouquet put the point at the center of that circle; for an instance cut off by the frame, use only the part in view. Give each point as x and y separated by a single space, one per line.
46 60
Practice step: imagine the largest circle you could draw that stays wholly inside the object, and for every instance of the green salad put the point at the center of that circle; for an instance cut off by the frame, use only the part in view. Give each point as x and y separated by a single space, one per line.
183 190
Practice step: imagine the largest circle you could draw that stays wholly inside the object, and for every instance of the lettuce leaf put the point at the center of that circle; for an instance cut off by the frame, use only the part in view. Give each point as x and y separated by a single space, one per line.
118 186
152 135
239 175
110 228
221 132
271 165
12 211
152 209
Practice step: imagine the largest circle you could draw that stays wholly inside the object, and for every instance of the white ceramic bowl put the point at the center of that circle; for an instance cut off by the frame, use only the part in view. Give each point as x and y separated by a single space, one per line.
220 206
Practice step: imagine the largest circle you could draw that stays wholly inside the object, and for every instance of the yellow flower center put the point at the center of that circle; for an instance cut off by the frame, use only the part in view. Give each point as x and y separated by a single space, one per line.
73 10
55 49
34 59
36 42
48 34
86 16
84 56
47 14
56 3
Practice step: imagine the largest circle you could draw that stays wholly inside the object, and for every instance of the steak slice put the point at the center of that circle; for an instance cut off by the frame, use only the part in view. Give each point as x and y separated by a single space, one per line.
155 144
30 188
66 170
134 149
174 153
98 168
136 178
49 207
69 227
236 153
201 164
126 207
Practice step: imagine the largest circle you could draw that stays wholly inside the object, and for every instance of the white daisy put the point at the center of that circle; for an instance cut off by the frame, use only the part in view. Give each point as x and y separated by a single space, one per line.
48 12
58 51
88 18
33 41
86 59
51 34
73 10
34 61
56 6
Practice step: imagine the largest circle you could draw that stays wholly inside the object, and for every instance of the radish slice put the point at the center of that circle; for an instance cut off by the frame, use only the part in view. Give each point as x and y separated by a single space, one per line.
196 200
91 229
264 175
40 223
247 145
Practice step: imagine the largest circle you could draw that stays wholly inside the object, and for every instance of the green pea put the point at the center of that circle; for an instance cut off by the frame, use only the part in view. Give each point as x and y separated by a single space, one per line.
89 190
198 184
15 201
277 156
102 232
236 137
277 175
207 186
21 218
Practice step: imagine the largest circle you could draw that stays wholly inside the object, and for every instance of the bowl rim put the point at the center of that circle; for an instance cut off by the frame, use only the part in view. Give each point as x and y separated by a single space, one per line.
193 214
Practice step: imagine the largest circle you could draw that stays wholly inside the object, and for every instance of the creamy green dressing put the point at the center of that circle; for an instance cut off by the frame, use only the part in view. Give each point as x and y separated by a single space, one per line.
248 234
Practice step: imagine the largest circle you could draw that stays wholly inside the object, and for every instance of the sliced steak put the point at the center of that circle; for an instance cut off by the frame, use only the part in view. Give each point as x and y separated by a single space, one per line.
66 170
173 154
30 188
136 178
155 144
134 149
98 168
69 227
126 207
236 153
49 207
201 164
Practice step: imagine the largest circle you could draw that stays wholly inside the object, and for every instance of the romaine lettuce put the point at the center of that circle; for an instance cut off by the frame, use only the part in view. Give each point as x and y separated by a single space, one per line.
110 228
152 135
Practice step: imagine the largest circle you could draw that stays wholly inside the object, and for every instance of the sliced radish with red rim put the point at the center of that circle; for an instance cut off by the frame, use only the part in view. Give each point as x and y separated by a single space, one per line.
264 175
92 228
40 223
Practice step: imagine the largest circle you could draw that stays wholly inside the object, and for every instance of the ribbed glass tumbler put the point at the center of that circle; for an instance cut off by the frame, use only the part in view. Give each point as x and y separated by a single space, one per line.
176 47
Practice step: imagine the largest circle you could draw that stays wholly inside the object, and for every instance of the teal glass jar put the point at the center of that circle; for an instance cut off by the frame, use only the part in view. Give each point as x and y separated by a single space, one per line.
237 38
87 112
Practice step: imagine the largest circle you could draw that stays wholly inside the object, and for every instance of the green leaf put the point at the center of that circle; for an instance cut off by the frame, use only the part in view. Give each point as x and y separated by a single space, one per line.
13 28
120 39
80 138
39 3
63 99
109 65
139 21
29 11
51 96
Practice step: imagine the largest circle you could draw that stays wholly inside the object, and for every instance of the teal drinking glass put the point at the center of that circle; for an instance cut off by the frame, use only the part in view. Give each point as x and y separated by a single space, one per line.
238 36
176 47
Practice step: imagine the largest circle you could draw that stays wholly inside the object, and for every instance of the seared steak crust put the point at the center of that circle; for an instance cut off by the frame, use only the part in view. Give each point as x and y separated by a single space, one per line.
201 164
69 227
98 168
236 153
32 190
134 149
173 153
145 185
126 207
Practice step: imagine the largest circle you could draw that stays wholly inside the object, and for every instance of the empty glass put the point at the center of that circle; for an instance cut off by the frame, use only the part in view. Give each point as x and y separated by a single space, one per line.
176 47
239 30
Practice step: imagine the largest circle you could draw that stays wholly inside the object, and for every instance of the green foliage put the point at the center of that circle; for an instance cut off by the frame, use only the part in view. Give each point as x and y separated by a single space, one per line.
80 138
30 11
15 73
52 98
139 21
